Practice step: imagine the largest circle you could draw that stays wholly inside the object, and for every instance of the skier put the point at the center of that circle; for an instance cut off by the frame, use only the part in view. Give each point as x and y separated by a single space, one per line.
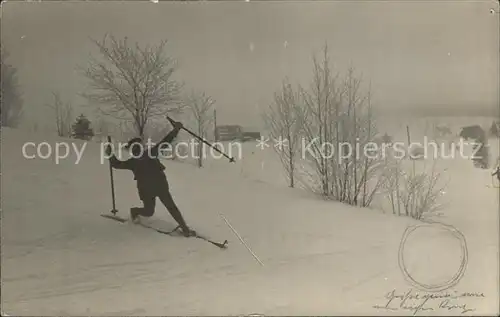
151 180
497 173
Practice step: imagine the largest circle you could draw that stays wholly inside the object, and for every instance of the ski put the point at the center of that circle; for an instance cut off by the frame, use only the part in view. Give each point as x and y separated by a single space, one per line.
115 218
170 233
222 245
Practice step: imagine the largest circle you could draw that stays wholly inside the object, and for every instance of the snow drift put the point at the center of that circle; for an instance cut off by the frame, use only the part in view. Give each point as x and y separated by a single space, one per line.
320 258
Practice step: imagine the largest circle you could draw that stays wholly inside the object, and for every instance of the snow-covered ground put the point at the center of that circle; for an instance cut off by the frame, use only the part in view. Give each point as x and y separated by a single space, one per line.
59 257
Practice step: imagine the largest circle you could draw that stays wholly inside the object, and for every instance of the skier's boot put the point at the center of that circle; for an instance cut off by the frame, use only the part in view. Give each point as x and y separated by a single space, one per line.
134 214
187 232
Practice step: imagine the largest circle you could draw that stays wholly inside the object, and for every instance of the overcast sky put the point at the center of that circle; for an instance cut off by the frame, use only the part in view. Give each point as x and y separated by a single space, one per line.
421 54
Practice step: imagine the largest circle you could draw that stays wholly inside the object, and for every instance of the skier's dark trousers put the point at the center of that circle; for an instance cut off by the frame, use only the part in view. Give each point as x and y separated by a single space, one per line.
151 180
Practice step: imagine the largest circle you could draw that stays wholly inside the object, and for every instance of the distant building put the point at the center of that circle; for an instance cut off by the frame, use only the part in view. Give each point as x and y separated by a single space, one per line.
251 135
228 133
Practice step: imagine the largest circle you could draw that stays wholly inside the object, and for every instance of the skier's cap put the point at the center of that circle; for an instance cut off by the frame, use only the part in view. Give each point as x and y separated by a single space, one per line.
132 141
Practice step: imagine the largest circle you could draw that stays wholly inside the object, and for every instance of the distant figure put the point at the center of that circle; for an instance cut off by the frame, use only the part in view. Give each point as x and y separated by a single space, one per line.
417 153
151 180
497 173
443 131
386 139
473 132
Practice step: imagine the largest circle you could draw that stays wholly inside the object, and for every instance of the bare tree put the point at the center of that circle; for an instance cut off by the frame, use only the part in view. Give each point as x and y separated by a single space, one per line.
10 96
337 127
321 102
156 129
283 119
125 130
63 114
200 105
132 82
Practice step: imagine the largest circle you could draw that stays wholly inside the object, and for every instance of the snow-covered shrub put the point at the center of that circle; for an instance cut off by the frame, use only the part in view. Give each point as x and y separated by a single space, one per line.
333 120
413 194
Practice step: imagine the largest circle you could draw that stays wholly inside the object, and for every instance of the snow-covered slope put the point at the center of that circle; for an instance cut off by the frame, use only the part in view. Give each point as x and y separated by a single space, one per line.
320 258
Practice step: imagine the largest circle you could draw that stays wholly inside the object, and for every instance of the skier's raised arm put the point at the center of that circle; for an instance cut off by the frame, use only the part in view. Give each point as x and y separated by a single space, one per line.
168 138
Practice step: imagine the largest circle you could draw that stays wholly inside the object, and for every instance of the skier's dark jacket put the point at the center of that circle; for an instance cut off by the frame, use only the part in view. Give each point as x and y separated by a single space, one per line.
147 169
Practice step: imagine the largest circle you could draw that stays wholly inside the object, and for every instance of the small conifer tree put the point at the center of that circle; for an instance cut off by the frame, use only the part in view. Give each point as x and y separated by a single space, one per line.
494 129
82 129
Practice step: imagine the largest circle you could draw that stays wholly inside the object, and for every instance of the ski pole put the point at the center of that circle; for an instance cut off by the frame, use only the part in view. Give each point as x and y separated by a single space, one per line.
113 211
231 159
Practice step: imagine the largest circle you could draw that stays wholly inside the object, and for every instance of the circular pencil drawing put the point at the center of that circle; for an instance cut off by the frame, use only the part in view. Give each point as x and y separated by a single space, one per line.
433 256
